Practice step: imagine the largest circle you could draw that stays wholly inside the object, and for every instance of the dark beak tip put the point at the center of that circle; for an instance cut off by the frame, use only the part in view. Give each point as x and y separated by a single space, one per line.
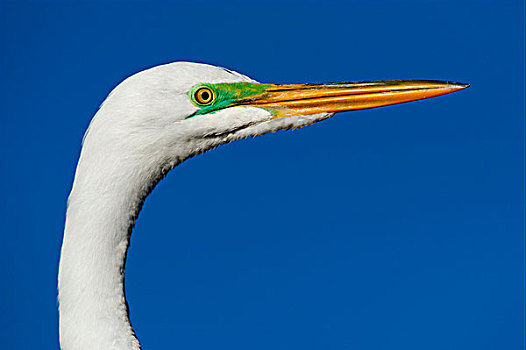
459 86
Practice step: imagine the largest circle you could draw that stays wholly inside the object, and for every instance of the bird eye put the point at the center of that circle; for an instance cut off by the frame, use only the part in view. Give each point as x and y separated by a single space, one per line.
204 96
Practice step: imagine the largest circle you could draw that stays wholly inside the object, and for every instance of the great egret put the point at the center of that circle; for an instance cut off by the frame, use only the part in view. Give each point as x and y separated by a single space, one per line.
150 123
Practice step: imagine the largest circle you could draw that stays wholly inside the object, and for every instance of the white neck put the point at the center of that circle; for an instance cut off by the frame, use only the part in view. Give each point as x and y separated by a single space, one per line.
111 182
100 216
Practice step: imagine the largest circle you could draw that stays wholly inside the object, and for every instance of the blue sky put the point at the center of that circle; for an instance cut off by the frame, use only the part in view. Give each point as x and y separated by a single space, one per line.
398 228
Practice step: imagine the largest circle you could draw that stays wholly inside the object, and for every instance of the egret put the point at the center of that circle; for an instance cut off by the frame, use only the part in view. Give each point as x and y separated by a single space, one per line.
150 123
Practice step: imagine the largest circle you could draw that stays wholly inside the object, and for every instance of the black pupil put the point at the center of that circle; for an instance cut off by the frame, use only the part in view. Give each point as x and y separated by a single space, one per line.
205 95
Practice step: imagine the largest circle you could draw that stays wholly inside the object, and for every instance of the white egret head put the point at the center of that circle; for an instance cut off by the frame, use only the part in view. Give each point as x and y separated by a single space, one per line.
199 106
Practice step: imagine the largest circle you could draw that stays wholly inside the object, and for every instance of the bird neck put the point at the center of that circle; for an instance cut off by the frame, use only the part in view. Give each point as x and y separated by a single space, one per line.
106 197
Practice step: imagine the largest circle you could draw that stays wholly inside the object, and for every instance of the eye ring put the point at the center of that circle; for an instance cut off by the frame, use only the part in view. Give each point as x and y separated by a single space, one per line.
204 96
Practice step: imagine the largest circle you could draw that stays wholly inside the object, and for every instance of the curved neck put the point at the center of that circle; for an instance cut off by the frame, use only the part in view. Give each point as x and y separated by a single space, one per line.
106 197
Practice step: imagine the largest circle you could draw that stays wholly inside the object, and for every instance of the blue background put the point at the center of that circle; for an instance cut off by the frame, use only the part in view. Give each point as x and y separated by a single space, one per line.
394 228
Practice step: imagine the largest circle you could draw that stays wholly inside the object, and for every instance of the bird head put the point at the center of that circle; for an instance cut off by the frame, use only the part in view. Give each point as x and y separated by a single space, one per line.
181 109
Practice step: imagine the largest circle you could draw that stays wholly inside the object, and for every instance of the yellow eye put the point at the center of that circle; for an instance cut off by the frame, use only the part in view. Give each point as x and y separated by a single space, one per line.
204 96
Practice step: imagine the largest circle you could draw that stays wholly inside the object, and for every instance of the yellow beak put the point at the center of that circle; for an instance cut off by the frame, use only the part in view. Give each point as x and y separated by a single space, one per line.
303 99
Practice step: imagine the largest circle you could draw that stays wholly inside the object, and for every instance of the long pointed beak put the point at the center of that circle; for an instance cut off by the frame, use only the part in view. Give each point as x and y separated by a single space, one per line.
303 99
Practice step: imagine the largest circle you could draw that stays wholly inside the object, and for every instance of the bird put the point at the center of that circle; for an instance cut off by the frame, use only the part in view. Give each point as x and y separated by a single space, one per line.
150 123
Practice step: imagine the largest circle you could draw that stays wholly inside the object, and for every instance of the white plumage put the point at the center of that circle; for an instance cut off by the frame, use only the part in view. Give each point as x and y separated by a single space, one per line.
146 126
137 136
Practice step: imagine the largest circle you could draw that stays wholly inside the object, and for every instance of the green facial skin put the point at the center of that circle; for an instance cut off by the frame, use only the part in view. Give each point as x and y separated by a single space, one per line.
226 94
